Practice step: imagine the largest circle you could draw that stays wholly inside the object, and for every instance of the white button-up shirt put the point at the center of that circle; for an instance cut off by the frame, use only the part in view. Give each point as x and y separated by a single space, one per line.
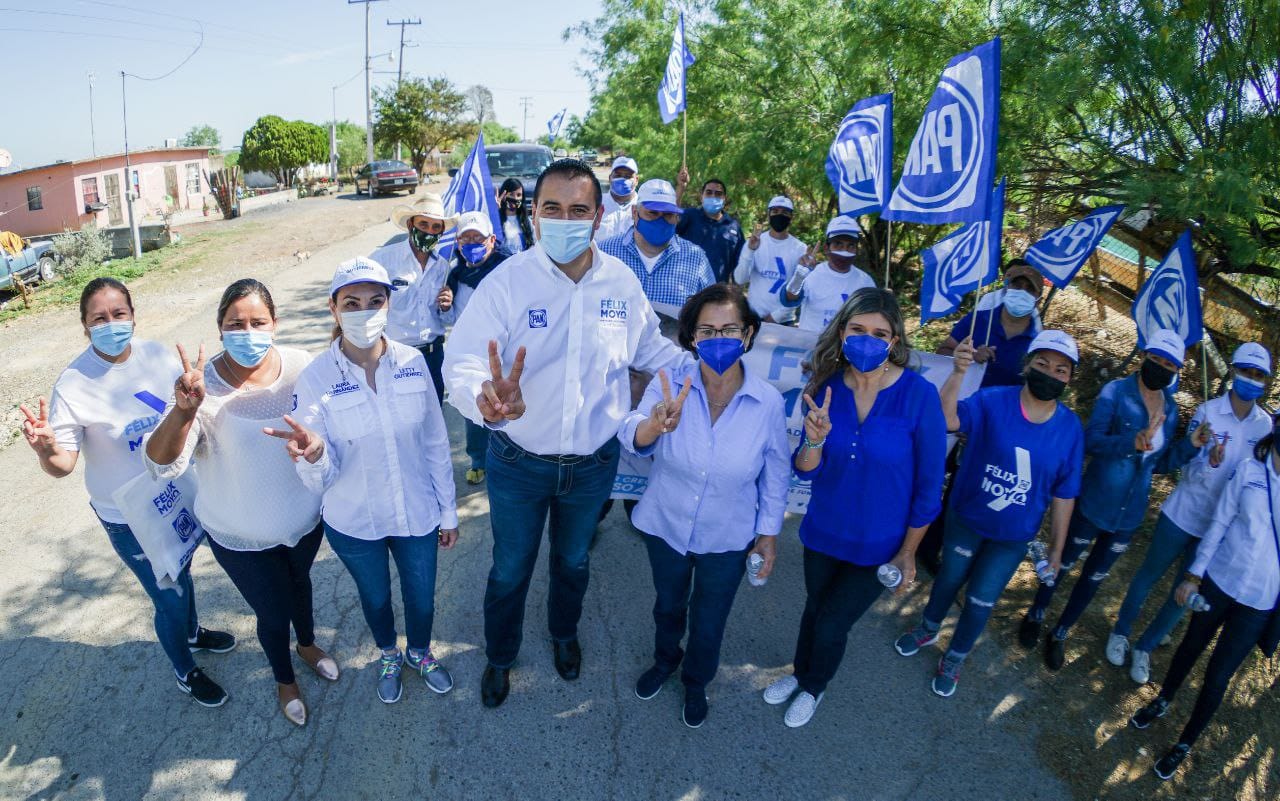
1240 551
580 341
714 487
413 317
617 217
386 469
1190 505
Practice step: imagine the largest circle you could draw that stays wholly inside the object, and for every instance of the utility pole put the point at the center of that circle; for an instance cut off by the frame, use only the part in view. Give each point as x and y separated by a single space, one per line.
128 173
368 99
400 67
525 103
93 139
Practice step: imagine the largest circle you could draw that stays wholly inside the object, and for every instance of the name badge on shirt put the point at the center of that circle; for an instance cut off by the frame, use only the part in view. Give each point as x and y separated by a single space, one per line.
406 372
343 388
613 311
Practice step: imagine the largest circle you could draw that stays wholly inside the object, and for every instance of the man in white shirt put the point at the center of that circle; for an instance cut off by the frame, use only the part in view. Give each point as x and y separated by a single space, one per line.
620 199
768 261
821 290
570 322
418 277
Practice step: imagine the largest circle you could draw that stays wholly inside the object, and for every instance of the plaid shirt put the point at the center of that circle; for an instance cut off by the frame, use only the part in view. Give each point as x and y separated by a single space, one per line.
681 270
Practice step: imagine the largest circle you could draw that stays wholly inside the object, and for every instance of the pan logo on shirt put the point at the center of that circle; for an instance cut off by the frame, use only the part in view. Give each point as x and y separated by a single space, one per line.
537 318
613 310
1006 488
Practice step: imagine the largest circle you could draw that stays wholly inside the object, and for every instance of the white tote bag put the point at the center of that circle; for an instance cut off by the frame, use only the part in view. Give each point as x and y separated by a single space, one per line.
162 516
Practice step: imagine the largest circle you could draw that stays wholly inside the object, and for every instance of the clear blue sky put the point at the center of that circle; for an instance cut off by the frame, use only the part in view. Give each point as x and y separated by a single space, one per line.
263 57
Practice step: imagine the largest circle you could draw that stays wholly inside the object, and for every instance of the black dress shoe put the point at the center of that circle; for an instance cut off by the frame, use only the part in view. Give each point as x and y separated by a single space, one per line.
1055 653
568 658
1029 632
494 686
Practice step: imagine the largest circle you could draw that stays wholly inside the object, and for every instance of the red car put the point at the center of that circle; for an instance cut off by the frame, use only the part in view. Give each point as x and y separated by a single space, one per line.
378 177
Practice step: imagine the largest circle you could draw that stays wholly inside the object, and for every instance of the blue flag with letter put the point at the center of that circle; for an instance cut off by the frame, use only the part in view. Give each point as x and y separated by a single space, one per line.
672 91
1061 253
553 125
860 160
962 262
470 189
1170 298
952 159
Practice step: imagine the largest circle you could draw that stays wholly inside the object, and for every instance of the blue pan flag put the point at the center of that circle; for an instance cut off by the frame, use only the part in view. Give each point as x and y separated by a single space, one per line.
860 161
471 189
1061 253
962 262
671 93
1170 298
553 124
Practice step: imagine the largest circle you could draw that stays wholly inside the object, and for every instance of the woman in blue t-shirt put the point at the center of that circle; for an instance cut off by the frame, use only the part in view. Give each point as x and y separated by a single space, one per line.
1023 455
874 450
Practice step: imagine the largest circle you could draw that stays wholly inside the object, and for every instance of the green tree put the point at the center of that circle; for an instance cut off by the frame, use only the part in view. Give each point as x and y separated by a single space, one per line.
498 134
423 115
202 136
351 145
281 147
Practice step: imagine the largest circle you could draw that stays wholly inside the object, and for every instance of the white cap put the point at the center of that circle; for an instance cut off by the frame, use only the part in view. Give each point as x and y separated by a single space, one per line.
658 195
1167 344
475 221
624 161
781 202
847 226
360 270
1251 354
1055 340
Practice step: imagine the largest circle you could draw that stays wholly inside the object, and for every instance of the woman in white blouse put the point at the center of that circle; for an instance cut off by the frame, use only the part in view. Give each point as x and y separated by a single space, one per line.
263 525
371 440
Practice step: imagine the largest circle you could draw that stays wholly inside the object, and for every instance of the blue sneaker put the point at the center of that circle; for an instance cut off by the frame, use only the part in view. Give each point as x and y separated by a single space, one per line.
434 674
389 684
910 643
944 683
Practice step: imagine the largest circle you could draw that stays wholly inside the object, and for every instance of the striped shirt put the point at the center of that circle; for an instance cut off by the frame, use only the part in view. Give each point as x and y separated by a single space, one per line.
680 270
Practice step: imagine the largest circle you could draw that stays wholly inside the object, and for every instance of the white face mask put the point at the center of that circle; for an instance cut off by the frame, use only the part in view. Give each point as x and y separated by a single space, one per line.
364 328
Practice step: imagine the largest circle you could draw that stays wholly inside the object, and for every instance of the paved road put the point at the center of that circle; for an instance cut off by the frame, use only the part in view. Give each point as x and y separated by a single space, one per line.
88 708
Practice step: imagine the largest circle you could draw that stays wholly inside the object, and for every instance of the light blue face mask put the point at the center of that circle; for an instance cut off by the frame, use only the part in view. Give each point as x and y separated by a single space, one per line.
247 348
565 240
111 338
1019 302
713 205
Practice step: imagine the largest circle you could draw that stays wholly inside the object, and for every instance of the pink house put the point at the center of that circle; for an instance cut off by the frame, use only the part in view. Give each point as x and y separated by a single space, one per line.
69 194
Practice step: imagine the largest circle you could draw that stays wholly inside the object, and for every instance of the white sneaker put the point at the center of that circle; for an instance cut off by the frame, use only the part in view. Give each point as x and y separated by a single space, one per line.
801 710
1117 649
780 690
1140 670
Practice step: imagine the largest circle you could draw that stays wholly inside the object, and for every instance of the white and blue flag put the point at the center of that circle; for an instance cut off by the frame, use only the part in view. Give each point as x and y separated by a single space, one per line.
672 91
963 262
860 161
1061 253
952 159
553 125
470 189
1170 298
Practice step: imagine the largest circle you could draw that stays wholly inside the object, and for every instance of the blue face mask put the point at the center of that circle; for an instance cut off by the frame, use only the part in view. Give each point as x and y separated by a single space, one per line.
713 205
656 232
474 254
247 348
1247 389
720 353
1019 302
565 240
620 186
111 338
865 352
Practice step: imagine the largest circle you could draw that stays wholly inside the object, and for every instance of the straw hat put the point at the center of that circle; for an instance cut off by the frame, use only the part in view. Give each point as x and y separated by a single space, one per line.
427 205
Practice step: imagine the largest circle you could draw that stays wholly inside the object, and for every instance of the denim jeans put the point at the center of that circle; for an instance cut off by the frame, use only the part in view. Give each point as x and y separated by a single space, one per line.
1167 544
368 562
837 594
175 616
1108 546
524 490
477 444
696 589
987 565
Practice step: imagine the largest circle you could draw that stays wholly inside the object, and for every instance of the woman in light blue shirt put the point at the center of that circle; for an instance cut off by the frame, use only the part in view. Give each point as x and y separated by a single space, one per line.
717 491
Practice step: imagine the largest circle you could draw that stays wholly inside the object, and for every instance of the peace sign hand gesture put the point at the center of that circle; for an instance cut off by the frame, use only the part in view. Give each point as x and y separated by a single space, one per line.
299 441
500 397
1144 441
809 259
753 241
817 423
36 429
188 390
665 414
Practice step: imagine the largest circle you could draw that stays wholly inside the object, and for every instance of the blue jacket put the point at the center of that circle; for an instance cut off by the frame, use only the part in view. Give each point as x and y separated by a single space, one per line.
1117 482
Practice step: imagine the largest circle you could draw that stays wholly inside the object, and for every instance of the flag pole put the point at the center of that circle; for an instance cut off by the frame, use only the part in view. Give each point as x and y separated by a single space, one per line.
1204 367
991 318
684 139
888 249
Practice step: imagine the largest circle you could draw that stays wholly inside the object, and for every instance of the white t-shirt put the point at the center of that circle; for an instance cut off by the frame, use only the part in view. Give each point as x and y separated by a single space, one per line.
824 291
616 219
103 409
649 262
251 497
767 269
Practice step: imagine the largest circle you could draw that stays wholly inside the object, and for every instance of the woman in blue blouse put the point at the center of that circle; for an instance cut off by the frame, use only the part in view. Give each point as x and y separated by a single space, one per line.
1023 456
874 450
717 491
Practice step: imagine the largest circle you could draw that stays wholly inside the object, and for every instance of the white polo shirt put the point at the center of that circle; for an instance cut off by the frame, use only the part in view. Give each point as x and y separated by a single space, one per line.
767 269
823 293
1240 551
413 317
581 340
617 217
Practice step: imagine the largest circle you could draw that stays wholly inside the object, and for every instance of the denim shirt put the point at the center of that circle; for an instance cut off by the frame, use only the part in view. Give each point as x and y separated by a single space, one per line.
1117 482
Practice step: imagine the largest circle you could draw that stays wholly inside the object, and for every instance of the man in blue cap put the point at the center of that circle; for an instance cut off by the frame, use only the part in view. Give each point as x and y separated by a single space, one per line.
669 268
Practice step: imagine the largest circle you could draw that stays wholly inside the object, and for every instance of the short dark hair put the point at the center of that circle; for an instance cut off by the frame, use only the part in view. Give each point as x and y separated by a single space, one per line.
243 289
715 295
97 285
711 181
1263 449
1016 262
570 169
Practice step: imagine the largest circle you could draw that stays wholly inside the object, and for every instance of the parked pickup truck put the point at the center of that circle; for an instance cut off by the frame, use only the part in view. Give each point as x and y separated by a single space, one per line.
35 262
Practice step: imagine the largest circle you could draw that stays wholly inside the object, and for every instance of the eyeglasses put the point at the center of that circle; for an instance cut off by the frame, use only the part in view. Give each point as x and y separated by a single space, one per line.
707 332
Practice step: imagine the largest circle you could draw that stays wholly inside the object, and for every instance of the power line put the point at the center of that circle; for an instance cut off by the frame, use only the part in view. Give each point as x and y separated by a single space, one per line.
153 12
122 37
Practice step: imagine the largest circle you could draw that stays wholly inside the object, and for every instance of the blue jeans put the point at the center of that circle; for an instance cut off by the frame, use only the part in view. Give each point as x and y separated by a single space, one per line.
524 489
477 444
175 618
1108 546
1167 544
368 563
696 589
987 565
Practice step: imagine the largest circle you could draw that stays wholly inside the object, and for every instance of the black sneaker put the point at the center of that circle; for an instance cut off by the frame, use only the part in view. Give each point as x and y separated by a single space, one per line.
1029 632
1168 764
650 683
204 690
695 707
1055 653
1144 717
216 642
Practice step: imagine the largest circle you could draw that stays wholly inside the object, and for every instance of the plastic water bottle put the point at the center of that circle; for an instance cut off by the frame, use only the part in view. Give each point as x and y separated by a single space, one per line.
1039 555
754 562
890 576
1197 603
797 279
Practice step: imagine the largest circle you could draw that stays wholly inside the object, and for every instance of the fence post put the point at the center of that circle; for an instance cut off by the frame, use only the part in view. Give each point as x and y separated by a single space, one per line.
1095 269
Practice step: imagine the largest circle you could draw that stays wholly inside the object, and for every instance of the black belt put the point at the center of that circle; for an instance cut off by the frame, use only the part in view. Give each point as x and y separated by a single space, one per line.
430 347
571 458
